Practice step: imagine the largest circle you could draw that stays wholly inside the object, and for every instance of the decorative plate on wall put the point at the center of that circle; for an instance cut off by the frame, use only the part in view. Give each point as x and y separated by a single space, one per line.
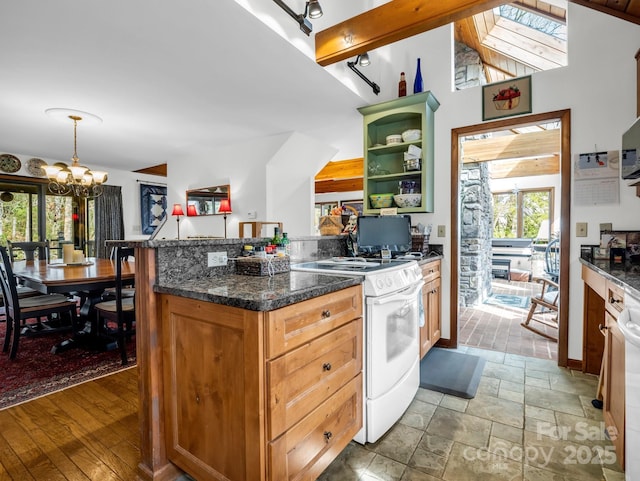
9 163
34 167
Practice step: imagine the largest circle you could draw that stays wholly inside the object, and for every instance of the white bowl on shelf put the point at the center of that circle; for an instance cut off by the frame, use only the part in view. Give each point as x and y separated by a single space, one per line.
411 135
408 200
394 139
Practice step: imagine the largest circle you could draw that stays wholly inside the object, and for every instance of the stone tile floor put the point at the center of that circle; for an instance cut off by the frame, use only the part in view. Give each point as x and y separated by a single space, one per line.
530 420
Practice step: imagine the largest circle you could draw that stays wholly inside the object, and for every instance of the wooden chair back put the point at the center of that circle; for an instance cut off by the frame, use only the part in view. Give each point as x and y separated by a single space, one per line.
29 250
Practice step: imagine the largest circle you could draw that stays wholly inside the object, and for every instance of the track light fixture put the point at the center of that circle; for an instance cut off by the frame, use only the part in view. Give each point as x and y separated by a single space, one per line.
362 60
312 9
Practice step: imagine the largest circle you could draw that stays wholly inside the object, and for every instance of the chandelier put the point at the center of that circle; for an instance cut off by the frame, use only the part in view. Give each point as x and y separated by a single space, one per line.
74 179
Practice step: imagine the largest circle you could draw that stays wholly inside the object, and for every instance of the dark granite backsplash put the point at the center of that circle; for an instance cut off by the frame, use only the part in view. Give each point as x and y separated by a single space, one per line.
187 259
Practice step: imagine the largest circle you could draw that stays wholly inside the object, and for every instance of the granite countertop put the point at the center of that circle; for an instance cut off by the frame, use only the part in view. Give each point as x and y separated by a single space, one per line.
626 274
258 293
431 258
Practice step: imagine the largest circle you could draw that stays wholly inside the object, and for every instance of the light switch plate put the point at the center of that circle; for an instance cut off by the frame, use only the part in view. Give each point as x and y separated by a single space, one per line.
216 259
606 227
442 231
581 229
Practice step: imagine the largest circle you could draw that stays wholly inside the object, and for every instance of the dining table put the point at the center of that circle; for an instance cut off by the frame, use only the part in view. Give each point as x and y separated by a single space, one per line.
88 280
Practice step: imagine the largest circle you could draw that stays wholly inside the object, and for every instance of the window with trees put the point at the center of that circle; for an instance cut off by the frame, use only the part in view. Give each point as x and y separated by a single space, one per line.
522 213
28 212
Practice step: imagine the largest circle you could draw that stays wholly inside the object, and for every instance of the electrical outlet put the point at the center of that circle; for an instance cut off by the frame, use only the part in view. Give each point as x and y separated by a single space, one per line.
216 259
581 229
441 231
252 214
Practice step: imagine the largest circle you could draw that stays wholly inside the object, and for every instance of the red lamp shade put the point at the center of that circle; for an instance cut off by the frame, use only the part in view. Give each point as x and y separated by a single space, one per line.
177 209
225 206
191 210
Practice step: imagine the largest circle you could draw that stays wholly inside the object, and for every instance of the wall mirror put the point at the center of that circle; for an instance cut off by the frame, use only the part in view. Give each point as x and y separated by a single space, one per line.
206 200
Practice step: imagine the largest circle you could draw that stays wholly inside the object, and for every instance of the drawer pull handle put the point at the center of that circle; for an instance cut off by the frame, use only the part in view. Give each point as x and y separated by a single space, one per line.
326 313
198 398
326 366
613 300
602 328
328 435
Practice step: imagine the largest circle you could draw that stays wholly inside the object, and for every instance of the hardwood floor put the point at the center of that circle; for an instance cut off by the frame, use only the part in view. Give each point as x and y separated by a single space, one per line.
86 432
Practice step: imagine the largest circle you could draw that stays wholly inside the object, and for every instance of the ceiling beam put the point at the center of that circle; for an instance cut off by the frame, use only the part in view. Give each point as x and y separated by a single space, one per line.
504 169
342 169
389 23
527 145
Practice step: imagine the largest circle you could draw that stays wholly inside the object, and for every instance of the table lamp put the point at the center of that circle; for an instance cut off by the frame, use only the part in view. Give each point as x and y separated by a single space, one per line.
177 211
191 210
225 208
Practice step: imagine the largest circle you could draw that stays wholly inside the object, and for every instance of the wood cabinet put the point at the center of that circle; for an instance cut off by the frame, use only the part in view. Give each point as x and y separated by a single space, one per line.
384 166
261 395
431 301
604 300
613 370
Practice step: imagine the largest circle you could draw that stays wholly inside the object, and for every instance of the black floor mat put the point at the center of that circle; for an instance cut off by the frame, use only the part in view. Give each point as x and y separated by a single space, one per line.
451 372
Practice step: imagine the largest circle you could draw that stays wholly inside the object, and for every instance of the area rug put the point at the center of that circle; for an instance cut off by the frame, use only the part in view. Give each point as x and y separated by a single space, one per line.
508 300
451 372
36 372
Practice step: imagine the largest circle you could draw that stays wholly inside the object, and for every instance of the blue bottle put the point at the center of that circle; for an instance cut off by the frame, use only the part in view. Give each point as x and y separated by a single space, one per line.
417 83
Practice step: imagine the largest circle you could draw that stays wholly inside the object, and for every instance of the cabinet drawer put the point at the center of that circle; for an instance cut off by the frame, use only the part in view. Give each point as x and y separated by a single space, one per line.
305 450
431 270
614 300
595 281
302 379
292 326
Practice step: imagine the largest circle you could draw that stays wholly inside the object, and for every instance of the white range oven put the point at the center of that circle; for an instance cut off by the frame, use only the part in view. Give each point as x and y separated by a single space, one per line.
393 314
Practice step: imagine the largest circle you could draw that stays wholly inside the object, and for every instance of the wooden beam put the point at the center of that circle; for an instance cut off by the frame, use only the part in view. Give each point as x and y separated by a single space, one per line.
529 145
342 169
504 169
346 185
606 9
391 22
160 169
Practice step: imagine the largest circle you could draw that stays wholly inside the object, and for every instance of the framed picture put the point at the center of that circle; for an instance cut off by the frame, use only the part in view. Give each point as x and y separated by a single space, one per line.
504 99
354 204
153 206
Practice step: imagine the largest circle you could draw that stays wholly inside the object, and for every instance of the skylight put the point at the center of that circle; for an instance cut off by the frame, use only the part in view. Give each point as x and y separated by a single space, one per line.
533 20
513 40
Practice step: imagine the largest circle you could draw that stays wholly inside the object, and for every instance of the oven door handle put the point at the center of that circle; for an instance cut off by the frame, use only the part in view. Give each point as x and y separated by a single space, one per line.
397 296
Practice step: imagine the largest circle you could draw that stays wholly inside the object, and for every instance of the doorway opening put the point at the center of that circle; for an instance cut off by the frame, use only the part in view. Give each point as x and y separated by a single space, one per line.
496 253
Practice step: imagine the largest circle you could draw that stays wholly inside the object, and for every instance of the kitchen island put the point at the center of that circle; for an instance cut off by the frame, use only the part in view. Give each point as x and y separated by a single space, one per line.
243 377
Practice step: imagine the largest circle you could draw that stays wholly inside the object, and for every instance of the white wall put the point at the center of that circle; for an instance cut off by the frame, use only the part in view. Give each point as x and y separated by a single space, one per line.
271 176
598 85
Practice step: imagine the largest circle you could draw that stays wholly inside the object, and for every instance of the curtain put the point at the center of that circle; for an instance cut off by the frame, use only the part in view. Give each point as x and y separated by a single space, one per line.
109 222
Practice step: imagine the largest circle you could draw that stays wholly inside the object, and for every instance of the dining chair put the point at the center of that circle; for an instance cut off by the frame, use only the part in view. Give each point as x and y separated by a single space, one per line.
30 250
128 289
19 311
544 308
121 309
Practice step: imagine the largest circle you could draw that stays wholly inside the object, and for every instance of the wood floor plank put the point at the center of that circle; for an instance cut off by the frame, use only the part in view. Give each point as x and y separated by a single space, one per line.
28 452
47 416
50 446
96 436
81 438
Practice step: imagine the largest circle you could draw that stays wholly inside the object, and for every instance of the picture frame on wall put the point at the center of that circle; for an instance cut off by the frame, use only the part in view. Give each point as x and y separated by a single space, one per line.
358 205
153 206
504 99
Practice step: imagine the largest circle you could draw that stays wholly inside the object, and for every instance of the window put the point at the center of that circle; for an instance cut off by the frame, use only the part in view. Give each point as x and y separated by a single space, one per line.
28 212
523 214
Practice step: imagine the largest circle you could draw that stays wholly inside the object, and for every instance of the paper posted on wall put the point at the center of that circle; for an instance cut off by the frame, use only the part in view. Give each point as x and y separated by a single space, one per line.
597 178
